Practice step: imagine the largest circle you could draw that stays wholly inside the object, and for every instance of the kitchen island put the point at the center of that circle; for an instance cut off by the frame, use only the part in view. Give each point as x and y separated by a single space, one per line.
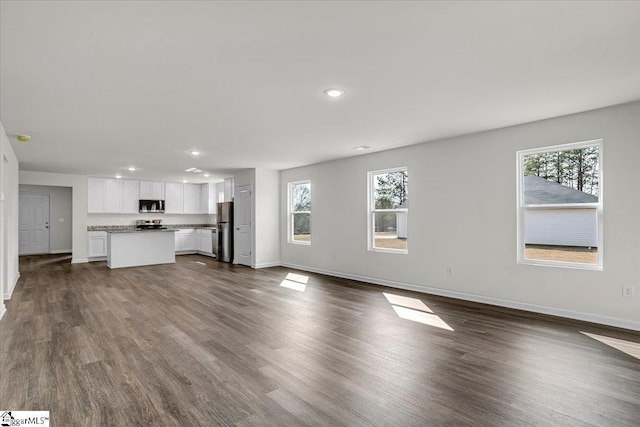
132 248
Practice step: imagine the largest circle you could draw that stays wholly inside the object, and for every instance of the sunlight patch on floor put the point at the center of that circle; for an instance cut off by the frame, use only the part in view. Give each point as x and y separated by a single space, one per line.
414 303
297 282
300 278
421 317
415 310
629 347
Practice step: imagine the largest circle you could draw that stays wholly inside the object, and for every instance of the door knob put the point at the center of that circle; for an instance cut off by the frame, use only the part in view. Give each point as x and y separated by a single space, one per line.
238 229
46 226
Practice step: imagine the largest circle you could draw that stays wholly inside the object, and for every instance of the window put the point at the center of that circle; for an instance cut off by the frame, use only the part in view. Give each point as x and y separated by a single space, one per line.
299 221
560 205
388 210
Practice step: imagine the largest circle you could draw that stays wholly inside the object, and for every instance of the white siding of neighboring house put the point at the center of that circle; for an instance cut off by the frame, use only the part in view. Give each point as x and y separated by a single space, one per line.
565 227
401 219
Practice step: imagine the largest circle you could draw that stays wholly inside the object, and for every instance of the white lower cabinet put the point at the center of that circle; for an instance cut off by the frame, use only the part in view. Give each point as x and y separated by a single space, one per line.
194 240
97 244
205 241
186 240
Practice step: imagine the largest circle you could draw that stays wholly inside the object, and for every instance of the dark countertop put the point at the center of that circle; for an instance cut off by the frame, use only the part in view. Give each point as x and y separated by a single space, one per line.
141 231
129 228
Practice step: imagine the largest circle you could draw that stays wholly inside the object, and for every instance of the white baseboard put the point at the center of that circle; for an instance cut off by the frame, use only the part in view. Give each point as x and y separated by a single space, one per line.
3 310
8 294
61 251
553 311
79 260
267 265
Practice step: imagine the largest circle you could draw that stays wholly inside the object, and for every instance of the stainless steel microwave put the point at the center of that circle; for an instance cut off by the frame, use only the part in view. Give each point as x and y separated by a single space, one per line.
151 206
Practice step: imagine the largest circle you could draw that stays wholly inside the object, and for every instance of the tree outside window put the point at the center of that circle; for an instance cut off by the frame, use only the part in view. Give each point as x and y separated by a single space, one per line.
388 211
300 212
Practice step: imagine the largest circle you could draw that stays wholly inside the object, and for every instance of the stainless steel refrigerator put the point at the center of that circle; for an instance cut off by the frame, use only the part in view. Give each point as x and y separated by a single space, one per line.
225 231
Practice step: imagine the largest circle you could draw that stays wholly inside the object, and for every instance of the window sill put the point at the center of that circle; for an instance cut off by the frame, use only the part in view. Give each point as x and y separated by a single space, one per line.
293 242
560 264
389 251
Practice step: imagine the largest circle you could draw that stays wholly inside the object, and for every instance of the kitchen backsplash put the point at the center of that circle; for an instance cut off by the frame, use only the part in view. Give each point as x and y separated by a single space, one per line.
119 219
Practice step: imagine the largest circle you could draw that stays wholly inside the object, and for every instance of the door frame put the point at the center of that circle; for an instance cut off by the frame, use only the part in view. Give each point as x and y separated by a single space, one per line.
252 219
28 193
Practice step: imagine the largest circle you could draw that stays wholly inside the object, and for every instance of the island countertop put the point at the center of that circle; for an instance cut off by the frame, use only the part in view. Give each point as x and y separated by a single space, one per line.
141 231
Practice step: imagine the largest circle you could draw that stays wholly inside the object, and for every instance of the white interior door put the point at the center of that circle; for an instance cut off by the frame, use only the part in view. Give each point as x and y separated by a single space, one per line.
34 224
242 208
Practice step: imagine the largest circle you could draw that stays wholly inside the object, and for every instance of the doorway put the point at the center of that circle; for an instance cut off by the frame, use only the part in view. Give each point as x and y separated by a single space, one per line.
34 235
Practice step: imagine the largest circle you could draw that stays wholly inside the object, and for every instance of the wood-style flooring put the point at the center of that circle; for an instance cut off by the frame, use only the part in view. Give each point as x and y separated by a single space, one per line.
202 343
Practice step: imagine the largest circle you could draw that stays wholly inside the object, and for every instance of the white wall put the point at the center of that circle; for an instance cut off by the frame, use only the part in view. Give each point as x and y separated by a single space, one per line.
462 214
60 207
9 264
267 218
78 184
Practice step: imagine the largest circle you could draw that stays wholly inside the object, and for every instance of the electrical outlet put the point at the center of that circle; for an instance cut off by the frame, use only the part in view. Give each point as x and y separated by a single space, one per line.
449 271
628 291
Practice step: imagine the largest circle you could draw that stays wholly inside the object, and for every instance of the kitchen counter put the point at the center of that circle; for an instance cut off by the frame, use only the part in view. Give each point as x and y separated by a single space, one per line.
132 227
132 248
141 231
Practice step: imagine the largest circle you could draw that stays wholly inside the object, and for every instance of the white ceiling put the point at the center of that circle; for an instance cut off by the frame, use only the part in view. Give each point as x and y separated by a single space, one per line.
104 85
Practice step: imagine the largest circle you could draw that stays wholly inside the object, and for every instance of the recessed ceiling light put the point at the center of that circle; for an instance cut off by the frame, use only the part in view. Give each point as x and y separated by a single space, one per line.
197 171
118 176
334 93
195 152
361 147
190 170
206 175
23 138
185 181
131 168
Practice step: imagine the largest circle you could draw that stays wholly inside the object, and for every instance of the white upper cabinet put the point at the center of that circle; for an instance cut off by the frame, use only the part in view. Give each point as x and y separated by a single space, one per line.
209 198
96 195
192 195
152 190
108 195
113 195
228 190
130 196
204 198
174 200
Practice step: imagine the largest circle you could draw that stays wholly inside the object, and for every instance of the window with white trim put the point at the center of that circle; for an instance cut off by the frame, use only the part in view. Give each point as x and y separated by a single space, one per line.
560 205
299 218
388 210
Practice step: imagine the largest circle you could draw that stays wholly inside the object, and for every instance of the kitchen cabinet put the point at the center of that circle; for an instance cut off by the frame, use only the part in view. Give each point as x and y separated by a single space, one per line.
130 196
229 190
113 195
152 190
219 193
204 198
96 195
106 195
208 198
192 195
186 240
204 241
97 244
173 203
194 240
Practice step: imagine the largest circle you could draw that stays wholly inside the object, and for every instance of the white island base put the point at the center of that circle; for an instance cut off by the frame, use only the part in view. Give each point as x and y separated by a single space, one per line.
136 248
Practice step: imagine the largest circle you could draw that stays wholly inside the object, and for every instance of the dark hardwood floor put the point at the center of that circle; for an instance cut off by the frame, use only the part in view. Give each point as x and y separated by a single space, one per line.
202 343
